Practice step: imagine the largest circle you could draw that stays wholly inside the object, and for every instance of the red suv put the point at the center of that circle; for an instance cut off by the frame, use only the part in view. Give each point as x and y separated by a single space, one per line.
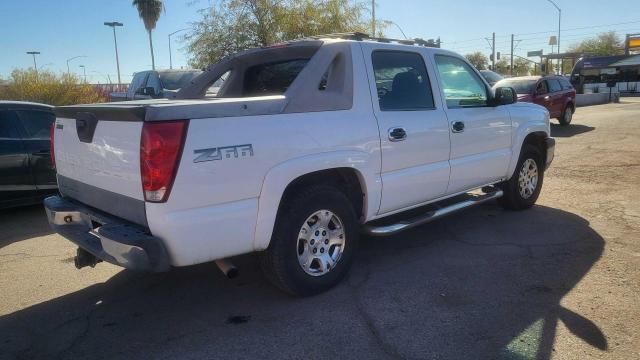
553 92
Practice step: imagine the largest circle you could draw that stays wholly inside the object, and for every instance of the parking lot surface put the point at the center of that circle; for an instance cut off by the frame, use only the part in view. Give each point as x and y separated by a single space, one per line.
560 281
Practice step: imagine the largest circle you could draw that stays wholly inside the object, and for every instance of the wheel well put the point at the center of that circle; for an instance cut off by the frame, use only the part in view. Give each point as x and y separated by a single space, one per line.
344 179
572 105
537 139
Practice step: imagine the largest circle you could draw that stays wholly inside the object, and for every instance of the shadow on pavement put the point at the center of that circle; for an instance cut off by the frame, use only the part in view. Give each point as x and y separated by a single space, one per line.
570 130
21 223
485 284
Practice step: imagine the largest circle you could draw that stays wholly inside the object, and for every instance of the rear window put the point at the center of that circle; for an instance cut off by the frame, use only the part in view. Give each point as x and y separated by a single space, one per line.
272 78
37 123
176 80
521 86
9 125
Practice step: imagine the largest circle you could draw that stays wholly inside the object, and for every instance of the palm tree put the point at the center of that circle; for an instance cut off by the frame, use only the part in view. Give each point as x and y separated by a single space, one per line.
149 11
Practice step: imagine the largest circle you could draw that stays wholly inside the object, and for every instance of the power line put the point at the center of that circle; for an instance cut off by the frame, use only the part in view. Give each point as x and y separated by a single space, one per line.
581 28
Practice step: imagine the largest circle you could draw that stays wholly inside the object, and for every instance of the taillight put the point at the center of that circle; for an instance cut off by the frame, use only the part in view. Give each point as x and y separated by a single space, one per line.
160 151
52 132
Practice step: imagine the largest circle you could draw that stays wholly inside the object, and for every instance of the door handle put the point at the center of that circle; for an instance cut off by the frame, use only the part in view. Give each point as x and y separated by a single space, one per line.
457 126
397 134
41 152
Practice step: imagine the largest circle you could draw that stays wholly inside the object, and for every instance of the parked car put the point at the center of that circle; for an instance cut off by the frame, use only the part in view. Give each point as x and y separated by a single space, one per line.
156 84
553 92
301 151
491 77
26 172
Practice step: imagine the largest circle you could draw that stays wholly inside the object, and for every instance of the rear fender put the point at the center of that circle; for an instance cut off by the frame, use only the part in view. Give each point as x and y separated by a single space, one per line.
280 176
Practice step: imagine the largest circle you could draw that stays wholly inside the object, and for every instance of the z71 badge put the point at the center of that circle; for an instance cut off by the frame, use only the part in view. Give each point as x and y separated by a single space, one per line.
224 152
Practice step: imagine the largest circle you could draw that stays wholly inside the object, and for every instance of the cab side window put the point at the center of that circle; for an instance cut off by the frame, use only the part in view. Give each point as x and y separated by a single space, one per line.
461 85
37 124
554 85
402 81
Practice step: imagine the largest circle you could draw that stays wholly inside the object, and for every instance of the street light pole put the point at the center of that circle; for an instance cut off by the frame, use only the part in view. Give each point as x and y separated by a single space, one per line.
69 59
113 25
84 72
34 53
173 33
559 21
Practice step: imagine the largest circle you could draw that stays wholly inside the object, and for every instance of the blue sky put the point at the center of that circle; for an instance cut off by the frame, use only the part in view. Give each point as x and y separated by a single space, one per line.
61 29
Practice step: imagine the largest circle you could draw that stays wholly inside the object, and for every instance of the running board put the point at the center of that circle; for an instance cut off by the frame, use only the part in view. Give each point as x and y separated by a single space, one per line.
386 230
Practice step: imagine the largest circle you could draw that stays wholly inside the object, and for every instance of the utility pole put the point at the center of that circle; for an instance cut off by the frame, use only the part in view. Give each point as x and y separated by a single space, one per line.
34 53
493 53
113 25
373 17
511 72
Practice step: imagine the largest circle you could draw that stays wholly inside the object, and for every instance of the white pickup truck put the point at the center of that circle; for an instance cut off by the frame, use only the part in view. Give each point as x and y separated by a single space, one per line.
304 146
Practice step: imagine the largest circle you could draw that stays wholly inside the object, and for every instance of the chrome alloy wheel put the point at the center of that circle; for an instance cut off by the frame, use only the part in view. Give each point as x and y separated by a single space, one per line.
528 178
321 242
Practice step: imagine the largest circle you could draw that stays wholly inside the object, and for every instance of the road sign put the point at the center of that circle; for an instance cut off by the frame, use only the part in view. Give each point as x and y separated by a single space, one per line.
534 53
553 40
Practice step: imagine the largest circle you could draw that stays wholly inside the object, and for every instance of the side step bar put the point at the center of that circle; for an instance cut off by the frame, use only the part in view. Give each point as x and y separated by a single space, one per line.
386 230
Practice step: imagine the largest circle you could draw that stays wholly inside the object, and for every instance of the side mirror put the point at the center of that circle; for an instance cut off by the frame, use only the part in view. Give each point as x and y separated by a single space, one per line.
504 96
149 91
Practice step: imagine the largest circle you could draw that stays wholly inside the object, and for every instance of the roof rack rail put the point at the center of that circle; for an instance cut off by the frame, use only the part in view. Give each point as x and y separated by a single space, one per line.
359 36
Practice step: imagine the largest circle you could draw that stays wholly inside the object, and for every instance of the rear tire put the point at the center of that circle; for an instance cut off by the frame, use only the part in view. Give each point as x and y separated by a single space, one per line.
313 243
567 116
523 188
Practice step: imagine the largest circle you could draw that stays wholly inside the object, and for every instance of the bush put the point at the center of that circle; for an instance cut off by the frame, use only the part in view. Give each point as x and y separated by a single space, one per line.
48 88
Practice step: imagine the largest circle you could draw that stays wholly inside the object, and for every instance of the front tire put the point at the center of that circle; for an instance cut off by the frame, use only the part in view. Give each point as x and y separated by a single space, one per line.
523 189
313 243
567 116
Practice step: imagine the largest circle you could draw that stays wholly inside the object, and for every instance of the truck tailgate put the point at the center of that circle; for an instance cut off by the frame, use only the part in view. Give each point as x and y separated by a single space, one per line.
98 162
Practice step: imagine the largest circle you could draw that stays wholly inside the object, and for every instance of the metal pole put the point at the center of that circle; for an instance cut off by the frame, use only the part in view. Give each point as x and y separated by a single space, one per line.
493 52
113 25
373 16
35 64
69 60
512 54
115 42
170 59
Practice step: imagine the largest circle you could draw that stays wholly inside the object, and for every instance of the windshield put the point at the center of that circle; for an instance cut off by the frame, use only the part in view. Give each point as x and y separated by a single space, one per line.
175 80
521 86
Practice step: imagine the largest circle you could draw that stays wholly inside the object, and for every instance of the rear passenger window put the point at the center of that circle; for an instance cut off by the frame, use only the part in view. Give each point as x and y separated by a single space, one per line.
402 81
37 123
566 85
9 125
273 78
554 85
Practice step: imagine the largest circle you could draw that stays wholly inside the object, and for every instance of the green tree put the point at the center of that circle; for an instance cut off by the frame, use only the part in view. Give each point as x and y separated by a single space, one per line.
606 43
478 59
231 26
521 67
149 11
48 88
502 66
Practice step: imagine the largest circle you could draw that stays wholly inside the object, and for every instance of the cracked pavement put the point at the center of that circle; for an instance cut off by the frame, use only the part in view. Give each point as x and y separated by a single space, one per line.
560 281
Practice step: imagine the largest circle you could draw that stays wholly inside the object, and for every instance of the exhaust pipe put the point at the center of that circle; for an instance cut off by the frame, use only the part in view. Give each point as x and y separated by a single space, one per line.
228 269
84 258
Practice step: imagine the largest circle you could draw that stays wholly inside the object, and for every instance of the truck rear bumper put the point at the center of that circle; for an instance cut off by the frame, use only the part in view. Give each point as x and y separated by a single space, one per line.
108 238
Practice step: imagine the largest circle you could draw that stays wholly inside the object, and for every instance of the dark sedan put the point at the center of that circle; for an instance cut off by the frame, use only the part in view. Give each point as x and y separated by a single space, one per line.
553 92
26 172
